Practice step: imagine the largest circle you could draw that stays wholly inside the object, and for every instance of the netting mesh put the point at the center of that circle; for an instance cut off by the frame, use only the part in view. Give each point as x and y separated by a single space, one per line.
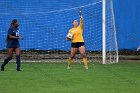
44 32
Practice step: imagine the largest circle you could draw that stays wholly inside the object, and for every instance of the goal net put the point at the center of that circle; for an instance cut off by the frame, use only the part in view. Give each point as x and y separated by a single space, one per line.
44 33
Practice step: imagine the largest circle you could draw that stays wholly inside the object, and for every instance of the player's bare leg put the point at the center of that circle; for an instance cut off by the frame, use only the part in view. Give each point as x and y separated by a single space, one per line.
83 53
9 57
72 55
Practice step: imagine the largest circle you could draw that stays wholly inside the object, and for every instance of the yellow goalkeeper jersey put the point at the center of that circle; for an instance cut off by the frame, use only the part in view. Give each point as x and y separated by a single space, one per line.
77 32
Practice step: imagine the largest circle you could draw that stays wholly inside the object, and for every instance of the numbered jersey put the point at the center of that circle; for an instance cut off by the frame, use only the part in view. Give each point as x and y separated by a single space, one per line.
12 43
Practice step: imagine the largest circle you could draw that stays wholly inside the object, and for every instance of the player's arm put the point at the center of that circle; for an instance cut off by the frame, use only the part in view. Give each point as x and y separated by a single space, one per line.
15 37
81 21
81 18
11 36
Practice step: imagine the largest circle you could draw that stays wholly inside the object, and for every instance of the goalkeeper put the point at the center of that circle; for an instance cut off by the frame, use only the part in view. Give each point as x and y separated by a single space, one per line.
75 35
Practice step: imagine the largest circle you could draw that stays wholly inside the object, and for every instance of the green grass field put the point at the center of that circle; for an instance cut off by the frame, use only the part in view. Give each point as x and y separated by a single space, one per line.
55 78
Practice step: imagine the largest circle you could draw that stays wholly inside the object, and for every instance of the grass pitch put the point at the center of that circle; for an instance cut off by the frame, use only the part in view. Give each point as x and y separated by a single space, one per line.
55 78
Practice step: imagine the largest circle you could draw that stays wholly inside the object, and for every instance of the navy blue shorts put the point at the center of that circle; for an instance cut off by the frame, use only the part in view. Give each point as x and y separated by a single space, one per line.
13 45
77 44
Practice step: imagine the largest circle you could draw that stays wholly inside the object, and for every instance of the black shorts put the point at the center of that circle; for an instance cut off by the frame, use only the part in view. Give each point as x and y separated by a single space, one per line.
77 44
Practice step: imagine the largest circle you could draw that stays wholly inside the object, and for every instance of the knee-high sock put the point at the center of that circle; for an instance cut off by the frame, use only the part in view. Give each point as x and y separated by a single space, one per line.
18 62
69 61
6 61
85 61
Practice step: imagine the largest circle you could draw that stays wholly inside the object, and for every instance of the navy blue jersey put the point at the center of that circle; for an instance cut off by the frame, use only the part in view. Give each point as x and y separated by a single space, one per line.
12 43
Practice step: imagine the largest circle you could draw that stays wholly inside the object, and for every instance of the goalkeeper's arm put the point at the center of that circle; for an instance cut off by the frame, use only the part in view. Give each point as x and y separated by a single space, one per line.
81 19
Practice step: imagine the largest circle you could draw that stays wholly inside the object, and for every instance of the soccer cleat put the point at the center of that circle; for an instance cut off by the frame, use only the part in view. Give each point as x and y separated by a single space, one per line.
18 70
2 68
68 67
86 67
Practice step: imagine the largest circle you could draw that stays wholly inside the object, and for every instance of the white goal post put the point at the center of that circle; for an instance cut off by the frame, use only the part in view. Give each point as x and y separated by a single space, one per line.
104 31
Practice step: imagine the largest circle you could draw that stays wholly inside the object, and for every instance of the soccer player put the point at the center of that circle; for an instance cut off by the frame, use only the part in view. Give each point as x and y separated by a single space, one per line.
77 42
138 49
13 44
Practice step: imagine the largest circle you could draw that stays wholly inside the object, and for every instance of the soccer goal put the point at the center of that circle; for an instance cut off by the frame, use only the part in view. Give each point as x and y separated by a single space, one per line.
45 32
